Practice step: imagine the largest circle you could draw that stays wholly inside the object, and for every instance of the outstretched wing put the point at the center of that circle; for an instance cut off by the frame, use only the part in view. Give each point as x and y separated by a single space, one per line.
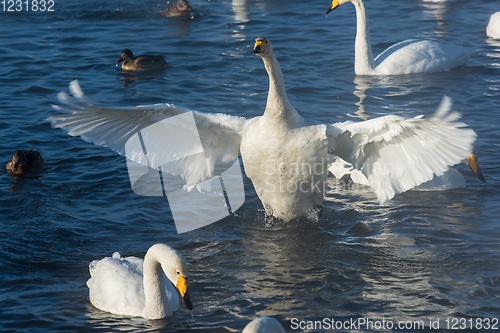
396 154
156 135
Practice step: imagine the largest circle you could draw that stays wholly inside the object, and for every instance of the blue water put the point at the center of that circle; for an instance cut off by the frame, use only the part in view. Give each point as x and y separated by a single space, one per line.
423 256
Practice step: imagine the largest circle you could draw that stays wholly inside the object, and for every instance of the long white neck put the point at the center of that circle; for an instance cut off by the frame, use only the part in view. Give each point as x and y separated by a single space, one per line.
278 107
363 57
156 304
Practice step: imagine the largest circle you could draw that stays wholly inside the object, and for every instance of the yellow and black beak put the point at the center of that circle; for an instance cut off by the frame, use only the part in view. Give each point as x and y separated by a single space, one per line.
259 47
335 4
182 286
474 166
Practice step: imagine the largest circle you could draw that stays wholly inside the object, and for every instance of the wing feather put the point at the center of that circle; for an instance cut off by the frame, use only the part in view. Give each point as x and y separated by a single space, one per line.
219 134
396 154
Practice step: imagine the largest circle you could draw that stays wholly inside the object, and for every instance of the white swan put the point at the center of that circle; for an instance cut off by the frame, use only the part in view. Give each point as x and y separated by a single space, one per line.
264 325
406 57
285 156
493 28
143 288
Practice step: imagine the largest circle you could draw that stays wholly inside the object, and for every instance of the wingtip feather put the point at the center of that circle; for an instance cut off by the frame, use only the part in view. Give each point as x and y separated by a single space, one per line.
444 107
75 89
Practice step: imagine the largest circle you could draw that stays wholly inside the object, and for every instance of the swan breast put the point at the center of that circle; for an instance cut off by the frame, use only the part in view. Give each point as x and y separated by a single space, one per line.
288 167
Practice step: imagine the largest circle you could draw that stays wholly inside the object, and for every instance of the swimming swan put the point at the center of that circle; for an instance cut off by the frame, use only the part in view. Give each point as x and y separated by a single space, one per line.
493 28
141 288
285 156
406 57
264 325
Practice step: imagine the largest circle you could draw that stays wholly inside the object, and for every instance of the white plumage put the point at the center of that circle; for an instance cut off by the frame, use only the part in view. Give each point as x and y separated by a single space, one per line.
396 154
493 28
113 127
406 57
142 288
285 156
264 325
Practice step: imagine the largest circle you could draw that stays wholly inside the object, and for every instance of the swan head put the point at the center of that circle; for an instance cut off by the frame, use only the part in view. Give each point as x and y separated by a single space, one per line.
262 47
182 285
175 268
126 55
335 4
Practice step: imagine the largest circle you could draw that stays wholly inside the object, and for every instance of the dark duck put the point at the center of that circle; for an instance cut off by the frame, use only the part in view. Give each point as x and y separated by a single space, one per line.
177 9
25 161
142 62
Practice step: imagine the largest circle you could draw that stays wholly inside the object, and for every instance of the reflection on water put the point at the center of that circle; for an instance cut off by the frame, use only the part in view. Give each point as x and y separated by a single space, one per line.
19 181
362 86
437 9
288 265
392 260
395 86
105 321
493 53
130 77
241 10
184 22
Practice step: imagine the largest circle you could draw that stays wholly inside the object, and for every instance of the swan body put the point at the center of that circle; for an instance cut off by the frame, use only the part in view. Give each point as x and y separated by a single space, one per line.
142 62
285 156
264 325
406 57
142 288
493 28
25 161
279 148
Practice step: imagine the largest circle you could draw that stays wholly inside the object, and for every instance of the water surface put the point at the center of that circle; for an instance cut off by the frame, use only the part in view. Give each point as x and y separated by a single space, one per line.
423 255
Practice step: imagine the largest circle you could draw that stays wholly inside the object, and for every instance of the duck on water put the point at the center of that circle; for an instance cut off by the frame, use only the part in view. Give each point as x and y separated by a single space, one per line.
25 161
142 62
177 9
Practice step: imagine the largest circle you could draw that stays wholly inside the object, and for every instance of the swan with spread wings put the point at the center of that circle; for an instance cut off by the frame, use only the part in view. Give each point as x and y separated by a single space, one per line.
285 156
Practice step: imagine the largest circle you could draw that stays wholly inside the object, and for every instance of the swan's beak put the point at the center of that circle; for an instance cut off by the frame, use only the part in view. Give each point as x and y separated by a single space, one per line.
259 47
473 163
182 286
335 4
